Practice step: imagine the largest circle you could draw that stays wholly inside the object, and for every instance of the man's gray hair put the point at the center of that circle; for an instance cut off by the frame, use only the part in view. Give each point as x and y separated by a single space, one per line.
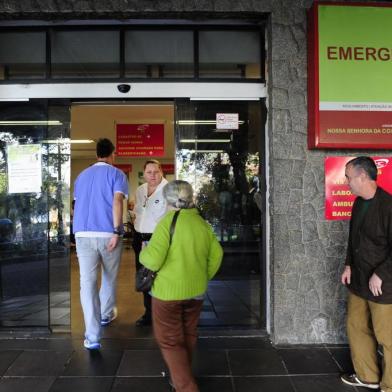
179 194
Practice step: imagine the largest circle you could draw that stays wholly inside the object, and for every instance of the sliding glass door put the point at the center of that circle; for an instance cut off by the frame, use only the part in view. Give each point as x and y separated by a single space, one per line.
219 150
34 214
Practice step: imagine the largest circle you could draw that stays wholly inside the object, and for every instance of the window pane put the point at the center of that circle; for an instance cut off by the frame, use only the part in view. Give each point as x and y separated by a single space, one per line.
223 167
229 54
81 54
159 54
22 55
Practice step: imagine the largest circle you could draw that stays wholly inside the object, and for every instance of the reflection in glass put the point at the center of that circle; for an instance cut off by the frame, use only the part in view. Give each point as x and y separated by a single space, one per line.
223 168
34 220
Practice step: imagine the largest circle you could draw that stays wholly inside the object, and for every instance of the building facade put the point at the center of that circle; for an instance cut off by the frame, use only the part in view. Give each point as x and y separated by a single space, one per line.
305 302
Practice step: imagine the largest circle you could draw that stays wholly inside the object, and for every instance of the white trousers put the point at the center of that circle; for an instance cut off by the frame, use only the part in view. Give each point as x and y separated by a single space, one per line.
92 255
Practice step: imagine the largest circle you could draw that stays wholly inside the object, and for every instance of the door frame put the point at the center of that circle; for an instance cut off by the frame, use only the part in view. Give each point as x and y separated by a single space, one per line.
236 91
152 90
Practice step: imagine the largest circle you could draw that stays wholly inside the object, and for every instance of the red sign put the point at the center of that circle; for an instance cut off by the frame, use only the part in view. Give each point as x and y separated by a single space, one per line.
338 197
168 168
140 140
126 168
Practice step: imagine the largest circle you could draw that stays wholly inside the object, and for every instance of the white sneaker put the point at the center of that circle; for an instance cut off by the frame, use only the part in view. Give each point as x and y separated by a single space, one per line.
91 345
352 379
108 319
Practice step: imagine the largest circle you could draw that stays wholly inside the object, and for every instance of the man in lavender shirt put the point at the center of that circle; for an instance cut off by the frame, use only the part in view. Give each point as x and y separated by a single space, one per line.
99 192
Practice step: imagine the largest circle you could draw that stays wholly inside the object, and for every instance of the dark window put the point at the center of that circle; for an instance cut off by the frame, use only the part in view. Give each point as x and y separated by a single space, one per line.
85 54
229 54
22 55
159 54
146 52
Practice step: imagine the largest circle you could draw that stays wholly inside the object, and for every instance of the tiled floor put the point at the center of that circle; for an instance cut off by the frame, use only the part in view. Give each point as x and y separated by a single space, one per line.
221 364
130 360
229 302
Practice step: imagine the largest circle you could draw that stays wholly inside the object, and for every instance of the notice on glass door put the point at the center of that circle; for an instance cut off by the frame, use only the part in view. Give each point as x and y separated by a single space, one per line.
227 121
24 168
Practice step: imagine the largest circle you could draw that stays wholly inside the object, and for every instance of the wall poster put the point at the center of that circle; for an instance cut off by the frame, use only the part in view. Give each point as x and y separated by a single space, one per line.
140 140
338 198
24 168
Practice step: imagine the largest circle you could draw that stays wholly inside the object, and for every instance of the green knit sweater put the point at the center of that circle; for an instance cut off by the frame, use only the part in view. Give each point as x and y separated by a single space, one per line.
189 263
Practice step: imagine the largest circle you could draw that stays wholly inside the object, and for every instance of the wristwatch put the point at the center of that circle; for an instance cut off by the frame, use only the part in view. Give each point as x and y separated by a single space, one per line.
118 231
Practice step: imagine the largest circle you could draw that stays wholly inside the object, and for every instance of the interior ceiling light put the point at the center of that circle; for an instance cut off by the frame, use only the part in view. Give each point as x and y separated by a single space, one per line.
32 122
224 99
200 122
205 141
65 141
204 151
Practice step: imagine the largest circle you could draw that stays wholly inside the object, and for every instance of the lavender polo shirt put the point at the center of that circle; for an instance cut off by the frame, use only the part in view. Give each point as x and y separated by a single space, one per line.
94 190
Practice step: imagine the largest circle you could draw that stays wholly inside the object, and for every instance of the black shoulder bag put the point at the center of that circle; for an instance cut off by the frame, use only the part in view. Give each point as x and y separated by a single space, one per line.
145 277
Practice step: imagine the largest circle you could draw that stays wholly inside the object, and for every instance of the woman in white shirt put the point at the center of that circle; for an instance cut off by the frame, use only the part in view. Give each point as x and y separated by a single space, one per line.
150 206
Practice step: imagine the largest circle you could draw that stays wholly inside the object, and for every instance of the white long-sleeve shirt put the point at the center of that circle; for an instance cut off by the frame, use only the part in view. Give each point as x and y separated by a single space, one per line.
149 210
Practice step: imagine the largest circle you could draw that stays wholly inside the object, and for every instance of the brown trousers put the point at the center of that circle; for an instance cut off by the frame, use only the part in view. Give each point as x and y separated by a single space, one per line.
175 329
369 324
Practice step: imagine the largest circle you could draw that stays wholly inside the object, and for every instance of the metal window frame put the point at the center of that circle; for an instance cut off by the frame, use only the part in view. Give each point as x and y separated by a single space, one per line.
110 26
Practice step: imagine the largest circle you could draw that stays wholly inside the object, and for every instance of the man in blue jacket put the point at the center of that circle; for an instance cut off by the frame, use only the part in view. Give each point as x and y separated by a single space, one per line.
99 192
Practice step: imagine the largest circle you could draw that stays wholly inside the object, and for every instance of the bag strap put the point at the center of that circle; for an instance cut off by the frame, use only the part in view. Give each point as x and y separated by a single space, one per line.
173 225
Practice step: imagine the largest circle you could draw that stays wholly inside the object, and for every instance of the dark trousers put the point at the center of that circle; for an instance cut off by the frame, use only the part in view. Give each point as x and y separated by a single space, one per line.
138 238
175 329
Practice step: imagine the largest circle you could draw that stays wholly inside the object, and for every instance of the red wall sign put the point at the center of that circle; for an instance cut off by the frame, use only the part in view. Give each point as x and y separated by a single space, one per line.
126 168
140 140
338 198
167 168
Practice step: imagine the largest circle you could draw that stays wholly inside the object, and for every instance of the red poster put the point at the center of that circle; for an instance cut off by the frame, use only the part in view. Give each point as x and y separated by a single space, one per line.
338 198
140 140
168 168
126 168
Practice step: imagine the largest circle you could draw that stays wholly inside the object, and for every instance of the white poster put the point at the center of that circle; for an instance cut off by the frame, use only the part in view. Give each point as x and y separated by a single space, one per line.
24 168
226 120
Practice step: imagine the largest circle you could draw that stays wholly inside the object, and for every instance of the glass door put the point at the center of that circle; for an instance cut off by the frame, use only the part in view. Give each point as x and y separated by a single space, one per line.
219 150
34 214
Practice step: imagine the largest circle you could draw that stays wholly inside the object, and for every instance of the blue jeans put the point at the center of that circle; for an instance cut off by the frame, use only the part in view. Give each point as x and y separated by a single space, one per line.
92 254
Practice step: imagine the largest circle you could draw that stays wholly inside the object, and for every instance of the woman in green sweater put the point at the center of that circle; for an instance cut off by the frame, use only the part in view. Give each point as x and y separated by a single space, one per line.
185 266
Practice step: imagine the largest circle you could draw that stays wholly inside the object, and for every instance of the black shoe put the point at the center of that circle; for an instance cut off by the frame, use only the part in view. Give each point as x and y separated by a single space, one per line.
353 380
170 382
144 321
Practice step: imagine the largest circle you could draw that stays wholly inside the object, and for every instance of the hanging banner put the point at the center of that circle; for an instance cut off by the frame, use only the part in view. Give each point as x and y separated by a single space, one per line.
338 197
140 140
349 82
24 168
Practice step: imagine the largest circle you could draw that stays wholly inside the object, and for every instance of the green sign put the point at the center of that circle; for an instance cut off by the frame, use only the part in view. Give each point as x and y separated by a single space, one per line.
355 53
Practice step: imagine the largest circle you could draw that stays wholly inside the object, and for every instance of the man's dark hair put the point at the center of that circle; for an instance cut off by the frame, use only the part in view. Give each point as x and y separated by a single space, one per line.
105 148
366 164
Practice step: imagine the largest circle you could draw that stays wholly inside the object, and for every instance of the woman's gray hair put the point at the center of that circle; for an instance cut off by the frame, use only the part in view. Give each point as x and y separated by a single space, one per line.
179 194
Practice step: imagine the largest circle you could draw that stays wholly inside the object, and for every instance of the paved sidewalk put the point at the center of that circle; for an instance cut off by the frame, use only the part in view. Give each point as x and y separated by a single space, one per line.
222 364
